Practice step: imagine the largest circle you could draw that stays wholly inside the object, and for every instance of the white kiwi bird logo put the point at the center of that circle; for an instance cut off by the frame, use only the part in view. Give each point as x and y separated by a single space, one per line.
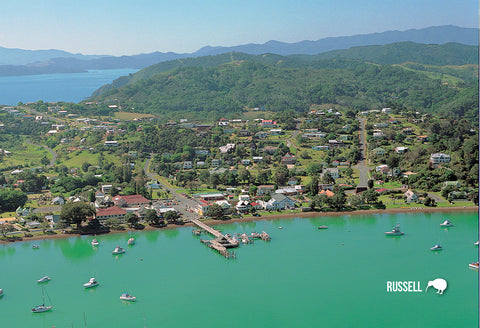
439 284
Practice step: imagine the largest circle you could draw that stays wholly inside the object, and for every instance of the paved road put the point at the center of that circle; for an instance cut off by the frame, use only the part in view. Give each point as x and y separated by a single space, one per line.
51 151
362 164
185 205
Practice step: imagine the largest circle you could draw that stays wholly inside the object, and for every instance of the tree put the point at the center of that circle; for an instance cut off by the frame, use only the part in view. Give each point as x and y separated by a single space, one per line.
6 228
281 175
85 166
244 176
171 216
370 184
348 172
214 211
131 219
313 186
214 180
44 161
151 217
11 199
76 213
370 196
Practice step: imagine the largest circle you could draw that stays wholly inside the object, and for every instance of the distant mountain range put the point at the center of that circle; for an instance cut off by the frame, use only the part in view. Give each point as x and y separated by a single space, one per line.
31 62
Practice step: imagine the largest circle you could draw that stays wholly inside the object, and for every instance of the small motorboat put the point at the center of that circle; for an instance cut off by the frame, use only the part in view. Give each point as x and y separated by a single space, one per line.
446 223
437 247
323 227
473 265
127 297
91 283
395 231
35 246
44 279
95 242
131 241
118 250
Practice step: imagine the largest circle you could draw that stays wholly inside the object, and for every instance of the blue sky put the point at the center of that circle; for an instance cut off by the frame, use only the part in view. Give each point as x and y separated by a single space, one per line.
124 27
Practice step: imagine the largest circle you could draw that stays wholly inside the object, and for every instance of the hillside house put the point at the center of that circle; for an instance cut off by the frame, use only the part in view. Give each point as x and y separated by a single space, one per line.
320 147
187 165
439 158
216 162
58 201
287 191
333 171
268 123
401 150
263 190
288 159
378 151
111 143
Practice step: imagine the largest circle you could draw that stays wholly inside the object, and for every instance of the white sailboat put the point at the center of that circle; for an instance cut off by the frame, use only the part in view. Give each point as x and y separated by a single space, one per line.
42 307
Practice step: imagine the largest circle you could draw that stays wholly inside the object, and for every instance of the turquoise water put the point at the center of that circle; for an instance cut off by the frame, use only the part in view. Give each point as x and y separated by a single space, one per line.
304 277
70 87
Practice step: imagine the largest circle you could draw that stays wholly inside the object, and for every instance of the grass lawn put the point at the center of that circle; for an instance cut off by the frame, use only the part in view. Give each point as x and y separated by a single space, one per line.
131 116
28 155
389 185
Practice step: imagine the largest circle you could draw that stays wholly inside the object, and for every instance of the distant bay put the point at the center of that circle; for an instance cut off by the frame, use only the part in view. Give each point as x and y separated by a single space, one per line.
68 87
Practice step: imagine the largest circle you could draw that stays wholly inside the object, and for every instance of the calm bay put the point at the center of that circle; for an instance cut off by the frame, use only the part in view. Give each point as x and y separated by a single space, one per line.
69 87
304 277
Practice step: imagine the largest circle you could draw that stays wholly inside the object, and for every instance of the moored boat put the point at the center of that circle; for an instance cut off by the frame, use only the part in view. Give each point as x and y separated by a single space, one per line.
476 243
446 223
395 231
43 307
91 283
118 250
1 292
44 279
131 241
473 265
437 247
323 227
35 246
95 242
127 297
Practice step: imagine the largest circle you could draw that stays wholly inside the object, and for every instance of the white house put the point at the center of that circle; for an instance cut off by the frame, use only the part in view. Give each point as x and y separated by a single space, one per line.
438 158
411 197
333 171
278 202
400 150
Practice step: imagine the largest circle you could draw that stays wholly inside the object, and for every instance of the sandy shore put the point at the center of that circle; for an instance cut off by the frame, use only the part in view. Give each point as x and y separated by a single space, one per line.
272 217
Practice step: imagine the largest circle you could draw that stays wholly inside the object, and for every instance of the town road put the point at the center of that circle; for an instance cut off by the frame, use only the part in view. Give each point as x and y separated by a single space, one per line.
362 167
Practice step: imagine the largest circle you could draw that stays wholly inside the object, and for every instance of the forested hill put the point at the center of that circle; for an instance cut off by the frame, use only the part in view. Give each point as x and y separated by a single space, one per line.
395 53
228 83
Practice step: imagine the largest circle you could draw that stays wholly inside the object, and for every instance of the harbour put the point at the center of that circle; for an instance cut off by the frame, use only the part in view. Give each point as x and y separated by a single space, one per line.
302 275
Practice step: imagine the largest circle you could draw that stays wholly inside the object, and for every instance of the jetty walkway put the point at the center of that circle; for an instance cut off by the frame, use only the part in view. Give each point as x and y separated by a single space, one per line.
220 243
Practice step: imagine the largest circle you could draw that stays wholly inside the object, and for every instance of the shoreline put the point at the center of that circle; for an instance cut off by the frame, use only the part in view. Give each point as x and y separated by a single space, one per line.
258 218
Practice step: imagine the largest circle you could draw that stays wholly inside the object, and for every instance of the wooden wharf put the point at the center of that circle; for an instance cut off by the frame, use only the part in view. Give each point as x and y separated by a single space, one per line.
225 240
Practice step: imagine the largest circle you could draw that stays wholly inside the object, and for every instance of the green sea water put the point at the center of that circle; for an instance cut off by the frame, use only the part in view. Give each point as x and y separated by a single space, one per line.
304 277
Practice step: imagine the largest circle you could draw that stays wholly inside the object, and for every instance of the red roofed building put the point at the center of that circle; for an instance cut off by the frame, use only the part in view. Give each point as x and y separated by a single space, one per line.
268 123
130 200
111 212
